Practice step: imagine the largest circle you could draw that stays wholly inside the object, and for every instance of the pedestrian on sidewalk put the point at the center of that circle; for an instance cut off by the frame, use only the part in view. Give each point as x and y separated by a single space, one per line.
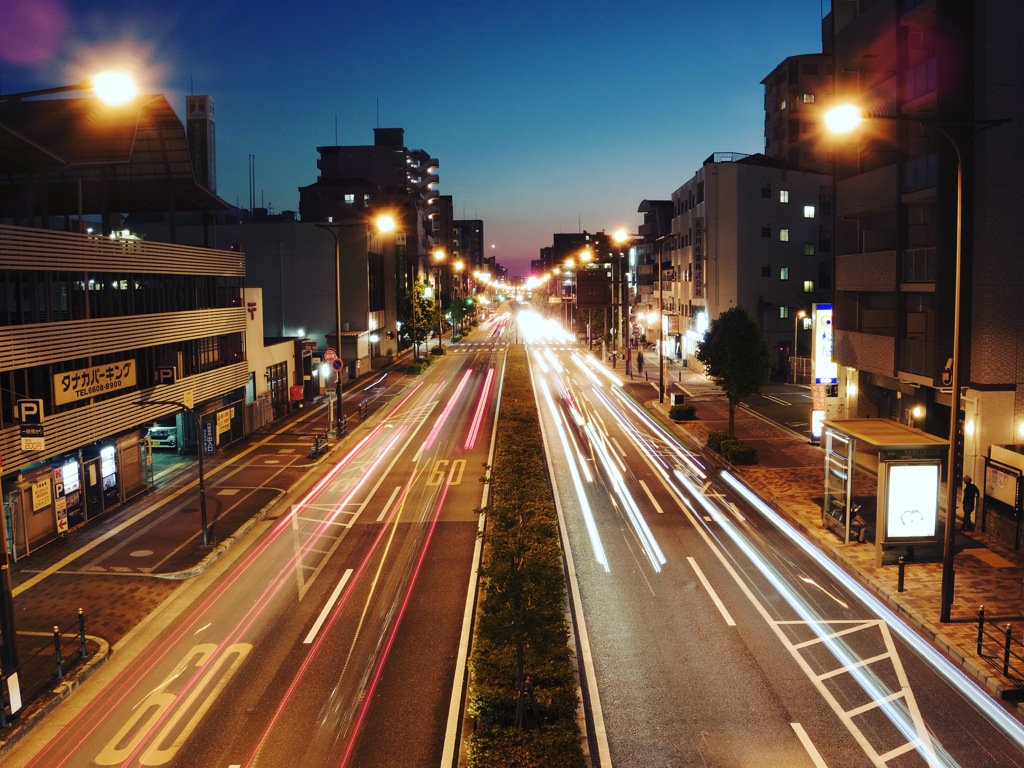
640 362
970 500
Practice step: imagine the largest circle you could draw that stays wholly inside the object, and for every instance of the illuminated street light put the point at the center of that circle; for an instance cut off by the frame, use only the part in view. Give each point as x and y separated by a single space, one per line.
113 88
844 119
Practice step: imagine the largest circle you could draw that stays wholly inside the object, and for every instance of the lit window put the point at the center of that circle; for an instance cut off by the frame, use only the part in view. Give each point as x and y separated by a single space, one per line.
783 313
782 104
808 286
808 249
784 235
350 198
783 195
808 211
808 98
783 273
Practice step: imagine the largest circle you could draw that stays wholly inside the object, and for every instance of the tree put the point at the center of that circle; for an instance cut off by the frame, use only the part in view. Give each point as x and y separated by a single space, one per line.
736 356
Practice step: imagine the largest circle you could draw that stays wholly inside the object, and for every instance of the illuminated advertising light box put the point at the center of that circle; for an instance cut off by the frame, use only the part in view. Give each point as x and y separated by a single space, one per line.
911 494
825 369
817 423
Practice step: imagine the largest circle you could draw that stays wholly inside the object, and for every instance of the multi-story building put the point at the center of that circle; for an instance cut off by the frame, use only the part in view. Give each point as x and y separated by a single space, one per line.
747 231
941 69
105 334
793 93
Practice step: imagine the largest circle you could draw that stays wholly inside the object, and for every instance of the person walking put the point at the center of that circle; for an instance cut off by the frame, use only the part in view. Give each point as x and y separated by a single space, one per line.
968 504
640 362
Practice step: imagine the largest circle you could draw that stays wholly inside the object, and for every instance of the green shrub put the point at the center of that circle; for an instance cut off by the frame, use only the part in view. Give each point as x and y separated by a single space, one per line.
523 602
438 350
716 438
684 412
738 452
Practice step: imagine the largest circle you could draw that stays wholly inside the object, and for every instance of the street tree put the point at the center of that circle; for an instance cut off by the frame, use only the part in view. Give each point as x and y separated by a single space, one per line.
736 356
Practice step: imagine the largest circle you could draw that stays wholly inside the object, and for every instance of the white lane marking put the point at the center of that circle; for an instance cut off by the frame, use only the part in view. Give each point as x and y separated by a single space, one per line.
711 592
618 447
651 497
387 507
812 751
327 607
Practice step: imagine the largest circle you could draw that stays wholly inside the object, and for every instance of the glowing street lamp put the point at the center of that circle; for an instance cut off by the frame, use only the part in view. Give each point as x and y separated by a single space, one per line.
844 119
114 88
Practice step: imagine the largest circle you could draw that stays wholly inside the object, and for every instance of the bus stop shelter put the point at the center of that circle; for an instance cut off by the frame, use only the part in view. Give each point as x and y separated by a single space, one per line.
908 463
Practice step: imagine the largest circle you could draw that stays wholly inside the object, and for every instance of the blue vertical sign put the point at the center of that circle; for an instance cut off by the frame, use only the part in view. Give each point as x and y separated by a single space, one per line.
209 438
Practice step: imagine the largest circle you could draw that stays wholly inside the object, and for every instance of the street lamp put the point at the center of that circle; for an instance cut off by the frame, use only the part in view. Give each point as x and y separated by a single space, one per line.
439 257
800 315
113 88
843 119
384 223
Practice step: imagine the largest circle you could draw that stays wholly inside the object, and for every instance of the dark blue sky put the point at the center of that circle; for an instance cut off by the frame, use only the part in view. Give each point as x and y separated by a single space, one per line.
546 116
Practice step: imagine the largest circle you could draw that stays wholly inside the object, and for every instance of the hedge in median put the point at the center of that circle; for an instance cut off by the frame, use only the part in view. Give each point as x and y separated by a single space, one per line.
522 687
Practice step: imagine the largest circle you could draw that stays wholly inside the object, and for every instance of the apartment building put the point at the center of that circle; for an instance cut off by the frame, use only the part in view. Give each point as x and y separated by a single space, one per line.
793 94
933 73
750 231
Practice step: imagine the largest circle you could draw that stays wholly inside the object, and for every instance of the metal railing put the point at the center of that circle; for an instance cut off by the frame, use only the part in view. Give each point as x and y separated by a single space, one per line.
44 669
1000 648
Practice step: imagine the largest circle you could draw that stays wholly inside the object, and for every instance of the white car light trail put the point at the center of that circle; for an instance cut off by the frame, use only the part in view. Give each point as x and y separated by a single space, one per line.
588 515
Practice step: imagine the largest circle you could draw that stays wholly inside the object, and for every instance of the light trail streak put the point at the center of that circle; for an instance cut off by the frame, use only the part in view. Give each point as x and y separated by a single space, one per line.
538 358
643 532
481 409
965 686
382 657
581 496
74 736
386 533
452 401
900 715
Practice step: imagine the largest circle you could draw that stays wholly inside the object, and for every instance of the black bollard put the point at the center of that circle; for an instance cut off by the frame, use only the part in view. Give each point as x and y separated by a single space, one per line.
899 579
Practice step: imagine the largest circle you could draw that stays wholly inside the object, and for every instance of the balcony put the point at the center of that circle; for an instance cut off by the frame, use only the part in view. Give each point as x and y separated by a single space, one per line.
918 357
869 191
917 265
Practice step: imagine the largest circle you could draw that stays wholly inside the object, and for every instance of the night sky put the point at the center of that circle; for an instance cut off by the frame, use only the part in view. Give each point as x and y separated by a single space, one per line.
546 117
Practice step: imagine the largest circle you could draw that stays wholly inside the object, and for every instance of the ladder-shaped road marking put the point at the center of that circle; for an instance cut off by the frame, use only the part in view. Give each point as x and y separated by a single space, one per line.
899 706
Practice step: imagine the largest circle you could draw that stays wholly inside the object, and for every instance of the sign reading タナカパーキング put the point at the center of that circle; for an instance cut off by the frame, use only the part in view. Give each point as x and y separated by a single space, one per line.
83 383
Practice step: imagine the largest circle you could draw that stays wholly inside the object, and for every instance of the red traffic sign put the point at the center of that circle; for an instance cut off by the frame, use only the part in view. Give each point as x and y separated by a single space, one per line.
330 355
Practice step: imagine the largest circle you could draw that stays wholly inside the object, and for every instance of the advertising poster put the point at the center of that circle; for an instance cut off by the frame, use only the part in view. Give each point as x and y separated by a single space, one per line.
825 370
911 501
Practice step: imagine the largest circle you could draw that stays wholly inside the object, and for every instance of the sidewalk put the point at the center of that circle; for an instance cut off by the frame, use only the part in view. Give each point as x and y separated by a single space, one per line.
789 477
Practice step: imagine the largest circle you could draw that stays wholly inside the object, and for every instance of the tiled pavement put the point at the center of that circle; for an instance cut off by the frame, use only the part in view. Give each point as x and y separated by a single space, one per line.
789 477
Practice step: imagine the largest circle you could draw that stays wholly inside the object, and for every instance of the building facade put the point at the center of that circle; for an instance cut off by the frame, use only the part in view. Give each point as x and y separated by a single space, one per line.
95 328
746 231
937 71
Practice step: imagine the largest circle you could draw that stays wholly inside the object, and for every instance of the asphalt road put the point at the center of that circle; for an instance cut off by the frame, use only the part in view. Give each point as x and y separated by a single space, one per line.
330 635
708 635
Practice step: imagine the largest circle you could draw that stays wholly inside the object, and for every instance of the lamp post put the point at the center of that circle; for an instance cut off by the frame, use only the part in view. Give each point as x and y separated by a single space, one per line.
800 315
335 230
384 223
439 257
661 326
843 119
459 265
